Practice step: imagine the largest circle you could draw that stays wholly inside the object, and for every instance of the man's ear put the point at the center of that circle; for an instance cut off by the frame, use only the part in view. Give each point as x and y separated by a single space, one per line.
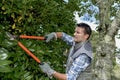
86 36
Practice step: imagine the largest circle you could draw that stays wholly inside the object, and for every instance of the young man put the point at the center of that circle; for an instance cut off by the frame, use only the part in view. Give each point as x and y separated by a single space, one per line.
79 58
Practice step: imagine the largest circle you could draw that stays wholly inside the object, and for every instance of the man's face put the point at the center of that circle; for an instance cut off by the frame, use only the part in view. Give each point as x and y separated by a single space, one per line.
79 35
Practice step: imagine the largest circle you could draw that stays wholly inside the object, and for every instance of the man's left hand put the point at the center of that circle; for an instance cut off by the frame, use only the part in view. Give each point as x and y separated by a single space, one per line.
46 69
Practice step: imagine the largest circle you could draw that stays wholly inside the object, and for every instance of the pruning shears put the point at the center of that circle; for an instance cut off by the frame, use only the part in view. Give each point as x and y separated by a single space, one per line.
13 37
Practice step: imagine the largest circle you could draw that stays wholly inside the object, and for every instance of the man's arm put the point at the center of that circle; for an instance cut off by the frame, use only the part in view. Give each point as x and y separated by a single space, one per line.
59 35
60 76
65 37
80 64
50 72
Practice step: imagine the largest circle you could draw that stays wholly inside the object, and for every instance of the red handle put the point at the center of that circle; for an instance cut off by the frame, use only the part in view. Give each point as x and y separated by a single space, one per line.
32 37
28 52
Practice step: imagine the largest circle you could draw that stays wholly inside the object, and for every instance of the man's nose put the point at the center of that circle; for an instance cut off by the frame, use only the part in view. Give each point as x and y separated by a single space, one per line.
74 33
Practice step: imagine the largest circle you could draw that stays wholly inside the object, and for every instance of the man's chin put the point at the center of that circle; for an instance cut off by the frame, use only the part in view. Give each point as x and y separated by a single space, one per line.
75 40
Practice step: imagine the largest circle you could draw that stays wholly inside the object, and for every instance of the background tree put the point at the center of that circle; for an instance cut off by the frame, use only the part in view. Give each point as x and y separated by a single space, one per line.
105 53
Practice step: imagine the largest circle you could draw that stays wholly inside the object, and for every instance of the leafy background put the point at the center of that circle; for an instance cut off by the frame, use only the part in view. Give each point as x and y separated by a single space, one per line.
38 18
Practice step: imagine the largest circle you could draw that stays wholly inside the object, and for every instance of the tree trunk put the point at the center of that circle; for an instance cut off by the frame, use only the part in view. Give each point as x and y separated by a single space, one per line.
104 57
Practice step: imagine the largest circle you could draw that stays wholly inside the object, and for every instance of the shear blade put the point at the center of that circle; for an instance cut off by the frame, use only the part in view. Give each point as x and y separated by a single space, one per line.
10 36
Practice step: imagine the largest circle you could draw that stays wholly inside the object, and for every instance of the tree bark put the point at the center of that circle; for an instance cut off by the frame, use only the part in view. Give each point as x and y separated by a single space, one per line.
104 57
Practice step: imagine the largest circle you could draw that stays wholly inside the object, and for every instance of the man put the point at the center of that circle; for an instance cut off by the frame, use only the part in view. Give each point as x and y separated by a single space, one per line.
79 58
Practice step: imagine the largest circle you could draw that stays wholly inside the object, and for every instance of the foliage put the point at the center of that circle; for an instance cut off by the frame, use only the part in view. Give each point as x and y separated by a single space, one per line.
33 17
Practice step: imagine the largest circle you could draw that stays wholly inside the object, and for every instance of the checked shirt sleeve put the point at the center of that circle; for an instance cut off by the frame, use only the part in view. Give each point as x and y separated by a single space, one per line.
79 65
68 39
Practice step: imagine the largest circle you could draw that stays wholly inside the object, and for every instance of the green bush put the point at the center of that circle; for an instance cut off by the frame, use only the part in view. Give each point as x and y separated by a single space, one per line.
32 17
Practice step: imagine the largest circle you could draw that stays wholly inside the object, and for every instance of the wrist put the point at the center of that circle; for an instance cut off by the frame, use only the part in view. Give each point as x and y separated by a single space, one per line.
51 73
54 73
59 34
55 35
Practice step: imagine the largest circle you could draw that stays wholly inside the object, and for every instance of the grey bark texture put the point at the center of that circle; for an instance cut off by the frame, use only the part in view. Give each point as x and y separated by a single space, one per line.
105 51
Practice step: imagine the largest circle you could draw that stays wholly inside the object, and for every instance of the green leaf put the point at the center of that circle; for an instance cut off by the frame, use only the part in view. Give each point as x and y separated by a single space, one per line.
5 62
4 66
3 51
3 56
27 76
5 69
8 44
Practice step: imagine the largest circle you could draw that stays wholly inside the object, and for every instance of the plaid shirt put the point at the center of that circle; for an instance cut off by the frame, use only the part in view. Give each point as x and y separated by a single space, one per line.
79 64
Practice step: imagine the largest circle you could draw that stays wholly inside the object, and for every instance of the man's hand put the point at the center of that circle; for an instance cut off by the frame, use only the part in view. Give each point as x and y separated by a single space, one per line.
47 69
50 36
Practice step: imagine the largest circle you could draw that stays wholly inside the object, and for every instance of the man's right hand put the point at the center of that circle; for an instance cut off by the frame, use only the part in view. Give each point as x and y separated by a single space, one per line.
50 37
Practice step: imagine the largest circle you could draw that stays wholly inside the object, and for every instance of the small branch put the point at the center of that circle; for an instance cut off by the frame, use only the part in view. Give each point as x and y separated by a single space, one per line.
115 26
104 16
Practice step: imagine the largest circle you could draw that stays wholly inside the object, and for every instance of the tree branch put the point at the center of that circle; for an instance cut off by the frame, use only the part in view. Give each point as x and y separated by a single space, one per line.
104 6
115 26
